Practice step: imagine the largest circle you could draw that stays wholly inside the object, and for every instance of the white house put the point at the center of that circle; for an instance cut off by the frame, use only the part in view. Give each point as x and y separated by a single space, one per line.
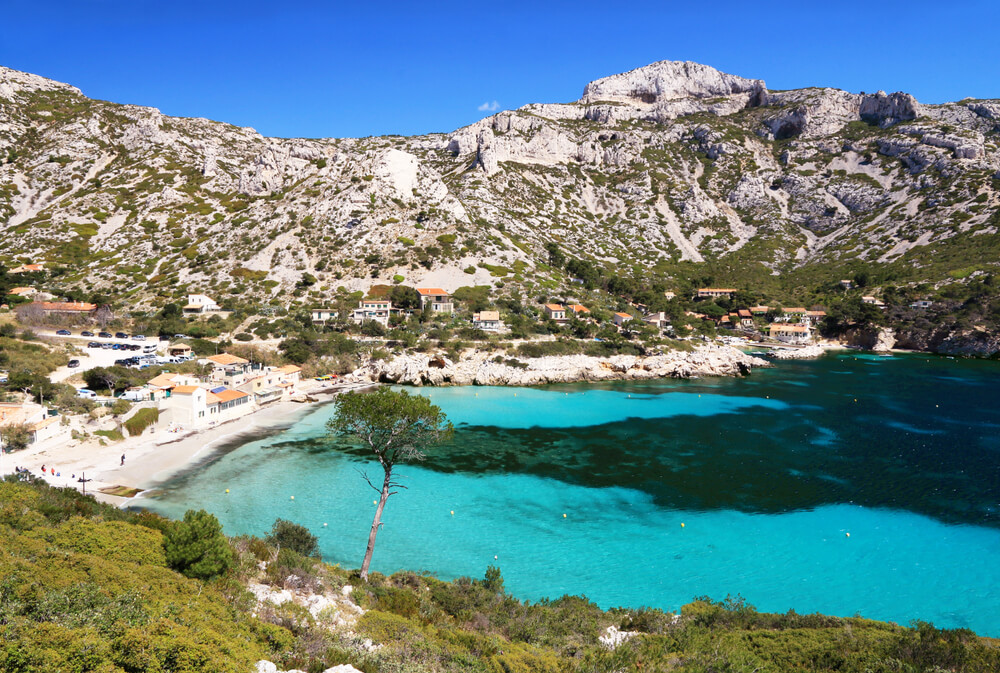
200 303
555 312
372 309
323 315
621 318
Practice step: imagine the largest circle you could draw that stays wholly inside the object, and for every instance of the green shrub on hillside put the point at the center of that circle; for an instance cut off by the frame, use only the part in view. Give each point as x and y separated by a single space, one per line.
196 546
289 535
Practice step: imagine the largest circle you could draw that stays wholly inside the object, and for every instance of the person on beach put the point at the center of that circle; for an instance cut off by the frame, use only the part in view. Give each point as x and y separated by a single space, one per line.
123 459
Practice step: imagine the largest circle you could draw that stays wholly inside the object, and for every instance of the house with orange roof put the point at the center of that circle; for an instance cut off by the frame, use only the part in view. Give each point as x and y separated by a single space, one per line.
659 319
22 291
67 307
436 299
27 268
745 317
621 318
578 310
555 312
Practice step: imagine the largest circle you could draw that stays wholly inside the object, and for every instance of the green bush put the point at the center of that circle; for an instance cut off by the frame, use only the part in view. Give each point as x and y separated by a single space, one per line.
196 546
289 535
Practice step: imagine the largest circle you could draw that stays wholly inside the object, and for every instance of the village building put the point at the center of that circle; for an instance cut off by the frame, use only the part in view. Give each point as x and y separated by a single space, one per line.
23 291
621 318
436 299
179 350
488 321
67 307
42 425
847 284
790 314
872 300
26 268
578 310
324 315
716 292
669 295
922 303
790 332
555 312
813 317
200 303
759 310
658 319
745 317
377 310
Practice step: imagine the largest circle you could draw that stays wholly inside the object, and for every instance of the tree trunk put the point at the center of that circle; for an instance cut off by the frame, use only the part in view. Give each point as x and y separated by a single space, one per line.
375 525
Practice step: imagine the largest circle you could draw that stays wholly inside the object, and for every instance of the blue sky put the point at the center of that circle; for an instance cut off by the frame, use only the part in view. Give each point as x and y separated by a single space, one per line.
335 69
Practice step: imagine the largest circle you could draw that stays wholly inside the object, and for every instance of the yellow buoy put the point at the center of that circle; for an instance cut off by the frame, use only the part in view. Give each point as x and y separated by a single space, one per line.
324 525
847 534
227 490
293 497
374 502
564 516
453 512
494 557
855 399
682 525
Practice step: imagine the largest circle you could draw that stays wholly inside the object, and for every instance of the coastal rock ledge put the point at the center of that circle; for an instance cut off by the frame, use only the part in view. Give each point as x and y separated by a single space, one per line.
492 369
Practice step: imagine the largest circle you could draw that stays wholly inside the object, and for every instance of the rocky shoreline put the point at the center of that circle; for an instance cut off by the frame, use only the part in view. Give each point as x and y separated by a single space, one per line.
497 369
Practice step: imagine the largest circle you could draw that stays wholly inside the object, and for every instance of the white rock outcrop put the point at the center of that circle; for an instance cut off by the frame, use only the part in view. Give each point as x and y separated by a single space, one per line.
491 369
668 80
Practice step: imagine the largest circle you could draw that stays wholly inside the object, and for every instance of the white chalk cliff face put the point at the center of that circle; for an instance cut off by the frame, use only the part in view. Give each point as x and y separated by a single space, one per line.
671 162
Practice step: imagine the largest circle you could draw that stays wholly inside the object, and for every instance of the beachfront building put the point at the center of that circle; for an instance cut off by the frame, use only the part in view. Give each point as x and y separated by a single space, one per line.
579 311
621 318
229 369
43 426
793 314
716 292
488 321
435 299
790 333
745 318
200 303
555 312
372 309
197 407
324 315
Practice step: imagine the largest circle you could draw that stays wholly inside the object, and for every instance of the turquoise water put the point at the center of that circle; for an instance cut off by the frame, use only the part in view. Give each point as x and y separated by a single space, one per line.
768 474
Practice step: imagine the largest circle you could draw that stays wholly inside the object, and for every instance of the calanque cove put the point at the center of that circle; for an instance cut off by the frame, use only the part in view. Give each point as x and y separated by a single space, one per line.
686 374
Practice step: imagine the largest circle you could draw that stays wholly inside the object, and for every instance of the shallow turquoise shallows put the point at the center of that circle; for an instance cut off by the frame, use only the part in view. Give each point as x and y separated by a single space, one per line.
848 485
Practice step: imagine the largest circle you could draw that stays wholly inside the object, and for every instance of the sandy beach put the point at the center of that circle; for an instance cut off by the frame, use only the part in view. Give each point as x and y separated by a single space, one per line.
152 459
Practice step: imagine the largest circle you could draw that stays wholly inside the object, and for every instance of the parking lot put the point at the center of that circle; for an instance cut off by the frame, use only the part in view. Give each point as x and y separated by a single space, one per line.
97 357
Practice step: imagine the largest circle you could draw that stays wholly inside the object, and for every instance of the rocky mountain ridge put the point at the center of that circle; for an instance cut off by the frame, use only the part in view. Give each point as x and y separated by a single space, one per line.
652 169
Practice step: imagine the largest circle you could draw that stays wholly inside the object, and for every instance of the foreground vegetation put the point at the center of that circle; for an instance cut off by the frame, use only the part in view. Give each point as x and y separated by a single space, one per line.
87 587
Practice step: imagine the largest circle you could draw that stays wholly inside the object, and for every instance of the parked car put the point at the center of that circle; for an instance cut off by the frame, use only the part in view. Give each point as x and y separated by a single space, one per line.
86 334
86 394
138 337
149 348
131 347
104 335
164 337
181 336
106 346
93 344
73 363
116 347
64 332
121 335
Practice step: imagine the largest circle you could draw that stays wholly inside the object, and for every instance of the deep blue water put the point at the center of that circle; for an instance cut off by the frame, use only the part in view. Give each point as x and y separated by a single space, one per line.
769 474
